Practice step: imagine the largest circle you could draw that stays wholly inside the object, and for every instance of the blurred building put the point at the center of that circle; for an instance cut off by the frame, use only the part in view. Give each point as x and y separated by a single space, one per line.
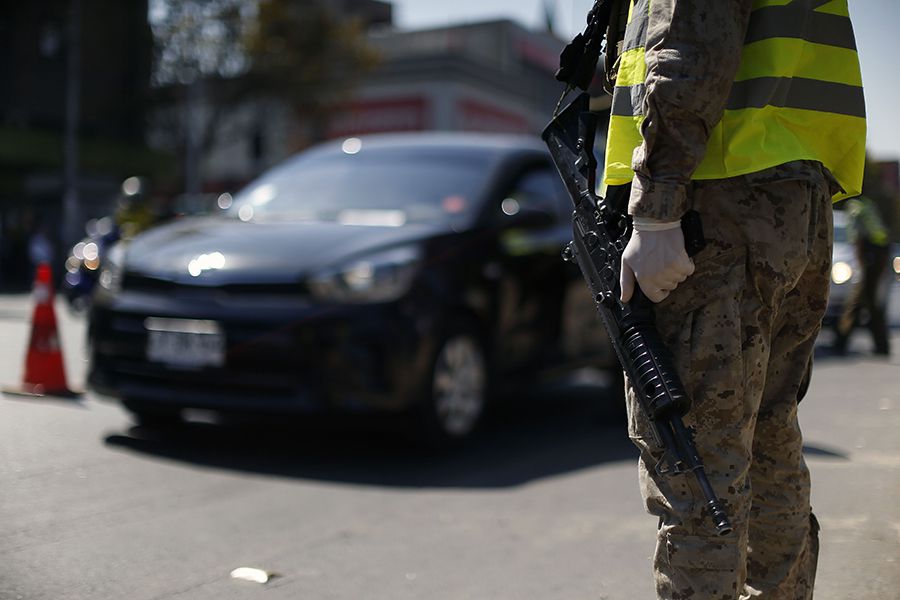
115 46
373 12
491 77
494 76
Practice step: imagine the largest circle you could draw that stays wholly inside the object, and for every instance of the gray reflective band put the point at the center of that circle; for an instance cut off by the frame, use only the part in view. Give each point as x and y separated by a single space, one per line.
781 92
636 31
798 20
627 101
796 92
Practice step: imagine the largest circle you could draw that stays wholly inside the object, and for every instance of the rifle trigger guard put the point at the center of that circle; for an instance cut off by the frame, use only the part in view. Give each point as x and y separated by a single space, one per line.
674 469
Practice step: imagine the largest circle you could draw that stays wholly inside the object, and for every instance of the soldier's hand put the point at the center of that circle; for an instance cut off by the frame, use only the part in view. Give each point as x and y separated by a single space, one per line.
655 257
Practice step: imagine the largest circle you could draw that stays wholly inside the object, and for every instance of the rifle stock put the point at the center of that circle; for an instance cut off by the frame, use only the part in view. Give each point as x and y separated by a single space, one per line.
601 231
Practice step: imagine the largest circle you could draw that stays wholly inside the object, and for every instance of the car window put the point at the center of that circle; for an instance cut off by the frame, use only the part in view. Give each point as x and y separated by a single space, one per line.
537 189
375 188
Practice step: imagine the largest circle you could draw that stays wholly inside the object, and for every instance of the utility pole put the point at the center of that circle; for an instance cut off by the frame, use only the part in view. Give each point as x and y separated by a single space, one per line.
193 155
549 15
72 220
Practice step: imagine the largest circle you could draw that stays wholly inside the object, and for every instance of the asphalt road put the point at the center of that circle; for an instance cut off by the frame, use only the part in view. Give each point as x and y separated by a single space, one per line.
543 505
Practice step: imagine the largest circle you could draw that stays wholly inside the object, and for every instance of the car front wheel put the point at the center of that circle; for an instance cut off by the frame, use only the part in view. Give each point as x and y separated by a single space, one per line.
458 388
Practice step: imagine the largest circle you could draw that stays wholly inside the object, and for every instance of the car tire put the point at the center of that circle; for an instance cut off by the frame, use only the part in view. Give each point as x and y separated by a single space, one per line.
457 390
152 418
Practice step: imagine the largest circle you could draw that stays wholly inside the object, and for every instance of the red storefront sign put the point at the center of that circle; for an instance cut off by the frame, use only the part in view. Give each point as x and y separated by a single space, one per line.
478 116
382 115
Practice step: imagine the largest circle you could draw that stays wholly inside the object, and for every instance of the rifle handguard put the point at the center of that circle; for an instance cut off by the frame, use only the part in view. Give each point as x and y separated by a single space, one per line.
654 372
601 232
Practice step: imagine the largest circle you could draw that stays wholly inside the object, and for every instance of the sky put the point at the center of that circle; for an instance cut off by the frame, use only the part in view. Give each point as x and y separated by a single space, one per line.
875 23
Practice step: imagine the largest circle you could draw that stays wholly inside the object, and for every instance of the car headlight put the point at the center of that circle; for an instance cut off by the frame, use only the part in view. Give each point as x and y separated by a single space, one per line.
381 277
111 272
841 272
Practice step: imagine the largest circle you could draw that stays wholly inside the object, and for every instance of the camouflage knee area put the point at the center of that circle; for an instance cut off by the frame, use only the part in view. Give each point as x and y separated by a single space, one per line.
699 567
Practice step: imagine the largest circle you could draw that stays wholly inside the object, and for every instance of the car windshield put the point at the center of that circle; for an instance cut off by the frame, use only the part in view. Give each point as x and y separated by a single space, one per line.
382 188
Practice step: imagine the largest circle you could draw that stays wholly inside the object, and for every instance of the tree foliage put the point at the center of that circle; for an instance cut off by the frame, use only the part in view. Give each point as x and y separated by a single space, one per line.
301 52
306 53
199 39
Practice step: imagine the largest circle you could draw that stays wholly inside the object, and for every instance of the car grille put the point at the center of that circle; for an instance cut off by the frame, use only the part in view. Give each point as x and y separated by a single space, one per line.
142 283
261 361
221 381
230 294
280 345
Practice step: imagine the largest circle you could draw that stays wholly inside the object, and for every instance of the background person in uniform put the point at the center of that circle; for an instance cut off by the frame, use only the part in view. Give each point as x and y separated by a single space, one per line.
870 238
133 212
751 113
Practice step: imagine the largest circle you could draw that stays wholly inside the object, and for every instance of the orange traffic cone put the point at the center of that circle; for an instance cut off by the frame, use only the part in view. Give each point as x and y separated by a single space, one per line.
45 374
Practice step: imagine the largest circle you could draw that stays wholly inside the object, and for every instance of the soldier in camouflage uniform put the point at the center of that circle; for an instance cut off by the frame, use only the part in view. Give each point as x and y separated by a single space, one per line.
740 319
742 329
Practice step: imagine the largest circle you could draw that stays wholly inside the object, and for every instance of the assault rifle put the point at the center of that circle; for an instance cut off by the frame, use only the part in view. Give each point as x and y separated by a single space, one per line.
601 231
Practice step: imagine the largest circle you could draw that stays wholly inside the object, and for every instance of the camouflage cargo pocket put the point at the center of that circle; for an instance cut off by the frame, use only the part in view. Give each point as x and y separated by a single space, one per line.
719 553
700 325
700 567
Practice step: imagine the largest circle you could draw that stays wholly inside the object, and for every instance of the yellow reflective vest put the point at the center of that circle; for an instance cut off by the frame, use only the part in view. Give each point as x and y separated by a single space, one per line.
865 221
797 96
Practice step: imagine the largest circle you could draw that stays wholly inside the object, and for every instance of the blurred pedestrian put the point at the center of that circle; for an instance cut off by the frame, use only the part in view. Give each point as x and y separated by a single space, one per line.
870 238
40 248
752 114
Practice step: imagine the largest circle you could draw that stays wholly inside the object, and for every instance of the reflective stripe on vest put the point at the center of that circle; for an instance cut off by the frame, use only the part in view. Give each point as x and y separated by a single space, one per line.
797 95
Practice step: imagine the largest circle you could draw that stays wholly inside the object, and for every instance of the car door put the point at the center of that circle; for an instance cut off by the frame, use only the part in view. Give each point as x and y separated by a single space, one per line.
582 338
533 229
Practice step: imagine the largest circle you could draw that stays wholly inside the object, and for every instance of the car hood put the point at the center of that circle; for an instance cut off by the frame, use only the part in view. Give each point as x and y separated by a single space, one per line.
216 251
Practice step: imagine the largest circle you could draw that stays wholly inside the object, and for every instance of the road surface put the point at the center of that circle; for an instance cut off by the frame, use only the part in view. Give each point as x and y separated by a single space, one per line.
542 505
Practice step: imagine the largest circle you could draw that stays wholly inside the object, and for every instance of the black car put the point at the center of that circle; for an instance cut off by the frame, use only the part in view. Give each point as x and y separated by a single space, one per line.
408 273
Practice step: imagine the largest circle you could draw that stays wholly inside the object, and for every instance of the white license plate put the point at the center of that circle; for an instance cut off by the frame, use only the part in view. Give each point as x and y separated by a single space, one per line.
185 343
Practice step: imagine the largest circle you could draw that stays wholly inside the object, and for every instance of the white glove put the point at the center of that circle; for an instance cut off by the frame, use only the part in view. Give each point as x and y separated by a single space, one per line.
656 257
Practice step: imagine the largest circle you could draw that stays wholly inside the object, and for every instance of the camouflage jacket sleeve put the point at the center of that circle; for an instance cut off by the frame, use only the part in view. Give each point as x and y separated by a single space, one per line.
693 51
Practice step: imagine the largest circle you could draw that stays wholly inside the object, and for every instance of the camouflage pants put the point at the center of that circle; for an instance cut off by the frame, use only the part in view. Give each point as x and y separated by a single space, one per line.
742 329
